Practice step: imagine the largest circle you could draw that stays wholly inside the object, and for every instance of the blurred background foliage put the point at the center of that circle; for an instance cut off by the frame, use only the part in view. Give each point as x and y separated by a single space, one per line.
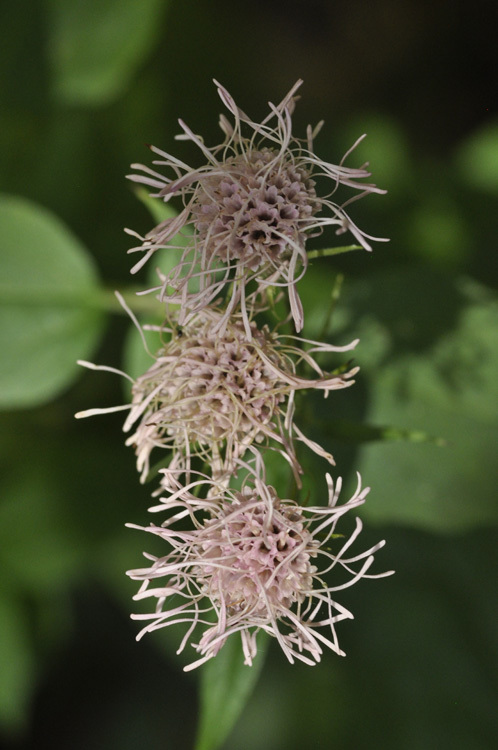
84 84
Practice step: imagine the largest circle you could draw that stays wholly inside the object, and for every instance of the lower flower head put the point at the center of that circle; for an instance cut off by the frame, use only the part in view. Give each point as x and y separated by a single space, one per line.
265 548
257 562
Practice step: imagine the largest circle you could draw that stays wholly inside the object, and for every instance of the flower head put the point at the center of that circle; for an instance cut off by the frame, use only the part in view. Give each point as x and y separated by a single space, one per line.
256 562
213 394
252 207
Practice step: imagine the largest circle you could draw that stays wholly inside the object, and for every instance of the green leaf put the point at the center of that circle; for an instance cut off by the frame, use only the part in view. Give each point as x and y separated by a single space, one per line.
48 286
448 388
96 46
158 209
168 257
136 358
477 159
438 232
18 665
448 489
39 545
226 685
386 150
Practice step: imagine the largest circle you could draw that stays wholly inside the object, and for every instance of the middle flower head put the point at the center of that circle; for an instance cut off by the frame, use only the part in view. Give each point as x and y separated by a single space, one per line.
213 395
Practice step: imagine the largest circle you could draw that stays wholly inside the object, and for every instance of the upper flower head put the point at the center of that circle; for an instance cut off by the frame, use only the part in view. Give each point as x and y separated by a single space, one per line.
252 207
256 562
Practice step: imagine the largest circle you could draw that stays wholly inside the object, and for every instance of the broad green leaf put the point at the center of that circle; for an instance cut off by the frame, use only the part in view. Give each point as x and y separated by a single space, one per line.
96 46
48 318
451 488
428 357
226 685
449 390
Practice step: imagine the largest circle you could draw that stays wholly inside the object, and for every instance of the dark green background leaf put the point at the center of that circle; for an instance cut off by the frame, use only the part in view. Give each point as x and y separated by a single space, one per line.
96 46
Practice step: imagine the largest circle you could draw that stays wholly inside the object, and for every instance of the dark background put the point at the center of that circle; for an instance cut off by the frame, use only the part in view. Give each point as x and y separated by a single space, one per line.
420 79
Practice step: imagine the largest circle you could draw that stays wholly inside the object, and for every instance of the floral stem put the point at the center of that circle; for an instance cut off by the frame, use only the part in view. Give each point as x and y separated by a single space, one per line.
326 251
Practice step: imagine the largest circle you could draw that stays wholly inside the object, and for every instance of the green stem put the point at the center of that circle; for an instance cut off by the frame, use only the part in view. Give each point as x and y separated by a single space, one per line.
334 298
97 298
107 301
325 252
363 433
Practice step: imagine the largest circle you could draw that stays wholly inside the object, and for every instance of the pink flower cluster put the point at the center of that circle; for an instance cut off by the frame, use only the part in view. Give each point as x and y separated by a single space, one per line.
219 398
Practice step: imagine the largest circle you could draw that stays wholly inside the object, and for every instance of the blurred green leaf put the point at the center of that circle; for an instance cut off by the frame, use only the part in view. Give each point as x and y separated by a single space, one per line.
48 286
158 209
39 544
96 46
448 489
165 258
136 358
477 158
438 232
428 354
226 685
449 390
385 150
18 664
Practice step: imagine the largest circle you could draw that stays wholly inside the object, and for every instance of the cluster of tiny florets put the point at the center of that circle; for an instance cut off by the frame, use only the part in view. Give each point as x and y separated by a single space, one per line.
219 397
255 563
255 556
251 209
205 388
213 394
255 210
